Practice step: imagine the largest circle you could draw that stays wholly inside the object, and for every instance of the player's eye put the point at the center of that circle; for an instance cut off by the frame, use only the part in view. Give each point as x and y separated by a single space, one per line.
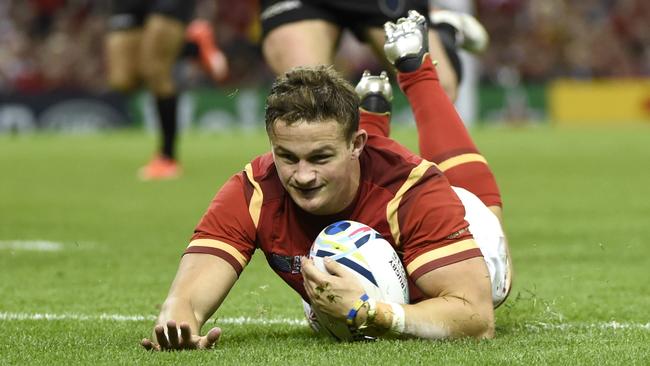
320 159
288 158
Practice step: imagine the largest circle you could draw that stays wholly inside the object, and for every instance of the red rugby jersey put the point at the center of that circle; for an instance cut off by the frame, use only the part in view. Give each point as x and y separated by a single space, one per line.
405 198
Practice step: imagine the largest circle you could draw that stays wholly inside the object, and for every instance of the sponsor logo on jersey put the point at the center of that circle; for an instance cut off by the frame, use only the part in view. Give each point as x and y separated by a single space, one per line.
285 263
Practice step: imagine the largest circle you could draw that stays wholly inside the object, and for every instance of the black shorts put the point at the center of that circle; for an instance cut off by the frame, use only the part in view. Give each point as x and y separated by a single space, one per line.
127 14
355 15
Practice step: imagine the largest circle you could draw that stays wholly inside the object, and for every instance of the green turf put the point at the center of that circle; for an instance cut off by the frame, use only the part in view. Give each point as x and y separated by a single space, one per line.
577 215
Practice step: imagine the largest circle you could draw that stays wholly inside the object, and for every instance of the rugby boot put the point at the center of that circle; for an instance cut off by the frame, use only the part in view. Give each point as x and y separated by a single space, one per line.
375 92
407 41
470 33
160 168
212 59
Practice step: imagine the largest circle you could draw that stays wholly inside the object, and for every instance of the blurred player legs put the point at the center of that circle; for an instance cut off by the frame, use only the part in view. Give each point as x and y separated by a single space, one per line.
308 34
303 43
467 97
145 40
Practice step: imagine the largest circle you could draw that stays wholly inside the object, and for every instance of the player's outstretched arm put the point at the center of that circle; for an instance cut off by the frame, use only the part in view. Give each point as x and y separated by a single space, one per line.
201 284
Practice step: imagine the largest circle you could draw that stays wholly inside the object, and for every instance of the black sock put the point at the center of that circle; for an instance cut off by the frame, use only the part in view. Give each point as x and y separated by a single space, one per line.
447 35
190 50
167 117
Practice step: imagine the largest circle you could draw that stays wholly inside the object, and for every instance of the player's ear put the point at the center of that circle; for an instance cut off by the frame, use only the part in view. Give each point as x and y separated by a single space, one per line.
358 143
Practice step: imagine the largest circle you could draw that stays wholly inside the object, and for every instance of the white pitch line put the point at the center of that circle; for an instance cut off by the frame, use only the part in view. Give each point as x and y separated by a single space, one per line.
33 245
537 326
7 316
602 325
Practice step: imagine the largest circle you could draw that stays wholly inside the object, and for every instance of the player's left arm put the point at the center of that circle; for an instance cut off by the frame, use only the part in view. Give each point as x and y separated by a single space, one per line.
200 286
446 264
459 304
442 259
221 246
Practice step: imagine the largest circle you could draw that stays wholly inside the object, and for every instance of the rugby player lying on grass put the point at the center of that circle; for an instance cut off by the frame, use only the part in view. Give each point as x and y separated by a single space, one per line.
330 161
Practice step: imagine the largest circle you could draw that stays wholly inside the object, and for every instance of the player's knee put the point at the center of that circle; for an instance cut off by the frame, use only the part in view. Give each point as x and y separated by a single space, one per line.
286 47
122 82
160 85
157 79
276 59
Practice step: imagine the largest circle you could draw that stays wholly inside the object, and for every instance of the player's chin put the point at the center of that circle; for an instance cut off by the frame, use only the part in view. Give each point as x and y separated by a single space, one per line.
310 206
313 202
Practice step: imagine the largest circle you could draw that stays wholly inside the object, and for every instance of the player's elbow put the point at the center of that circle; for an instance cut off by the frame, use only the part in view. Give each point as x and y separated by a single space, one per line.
484 328
470 317
478 323
480 320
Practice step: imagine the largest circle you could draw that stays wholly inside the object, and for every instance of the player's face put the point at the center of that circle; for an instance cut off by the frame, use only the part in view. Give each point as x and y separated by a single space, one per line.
318 167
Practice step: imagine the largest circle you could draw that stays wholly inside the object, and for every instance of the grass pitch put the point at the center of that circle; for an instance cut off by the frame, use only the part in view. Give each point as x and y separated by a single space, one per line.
88 252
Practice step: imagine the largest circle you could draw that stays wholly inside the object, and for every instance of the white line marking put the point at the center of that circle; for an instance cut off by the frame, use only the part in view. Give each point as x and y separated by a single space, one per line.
136 318
537 326
35 245
602 325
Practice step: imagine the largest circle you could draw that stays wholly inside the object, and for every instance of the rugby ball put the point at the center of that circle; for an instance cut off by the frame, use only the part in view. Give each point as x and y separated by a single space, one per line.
365 253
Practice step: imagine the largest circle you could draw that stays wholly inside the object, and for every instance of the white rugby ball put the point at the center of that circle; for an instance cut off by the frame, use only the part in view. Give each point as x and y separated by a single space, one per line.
362 251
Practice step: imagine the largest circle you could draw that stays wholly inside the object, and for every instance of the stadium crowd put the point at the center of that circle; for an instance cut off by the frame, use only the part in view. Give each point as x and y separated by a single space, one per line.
51 44
59 44
577 39
54 44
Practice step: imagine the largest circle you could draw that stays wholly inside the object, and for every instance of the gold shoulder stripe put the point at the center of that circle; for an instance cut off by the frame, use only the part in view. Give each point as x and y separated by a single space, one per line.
255 206
211 243
445 251
393 205
461 159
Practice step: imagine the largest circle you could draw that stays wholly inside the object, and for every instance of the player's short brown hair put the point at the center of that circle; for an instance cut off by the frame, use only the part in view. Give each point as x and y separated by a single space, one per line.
313 94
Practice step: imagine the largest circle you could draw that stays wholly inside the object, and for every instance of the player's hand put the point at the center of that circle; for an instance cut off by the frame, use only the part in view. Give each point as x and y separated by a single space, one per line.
180 338
333 293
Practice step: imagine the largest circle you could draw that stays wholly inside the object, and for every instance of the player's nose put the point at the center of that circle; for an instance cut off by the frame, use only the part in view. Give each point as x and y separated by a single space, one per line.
305 174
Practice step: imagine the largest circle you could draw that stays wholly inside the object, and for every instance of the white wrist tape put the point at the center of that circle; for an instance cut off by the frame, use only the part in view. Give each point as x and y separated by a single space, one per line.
399 321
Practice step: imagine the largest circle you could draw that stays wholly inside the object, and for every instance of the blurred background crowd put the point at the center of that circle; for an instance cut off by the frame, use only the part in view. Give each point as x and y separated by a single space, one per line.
58 44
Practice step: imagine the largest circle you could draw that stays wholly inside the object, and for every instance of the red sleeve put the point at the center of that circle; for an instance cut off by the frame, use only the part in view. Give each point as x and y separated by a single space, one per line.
227 229
433 229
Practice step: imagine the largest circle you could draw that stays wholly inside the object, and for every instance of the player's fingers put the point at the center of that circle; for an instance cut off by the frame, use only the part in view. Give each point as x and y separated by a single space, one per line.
309 288
210 339
309 270
149 345
186 336
304 269
334 268
309 284
161 337
172 334
315 281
